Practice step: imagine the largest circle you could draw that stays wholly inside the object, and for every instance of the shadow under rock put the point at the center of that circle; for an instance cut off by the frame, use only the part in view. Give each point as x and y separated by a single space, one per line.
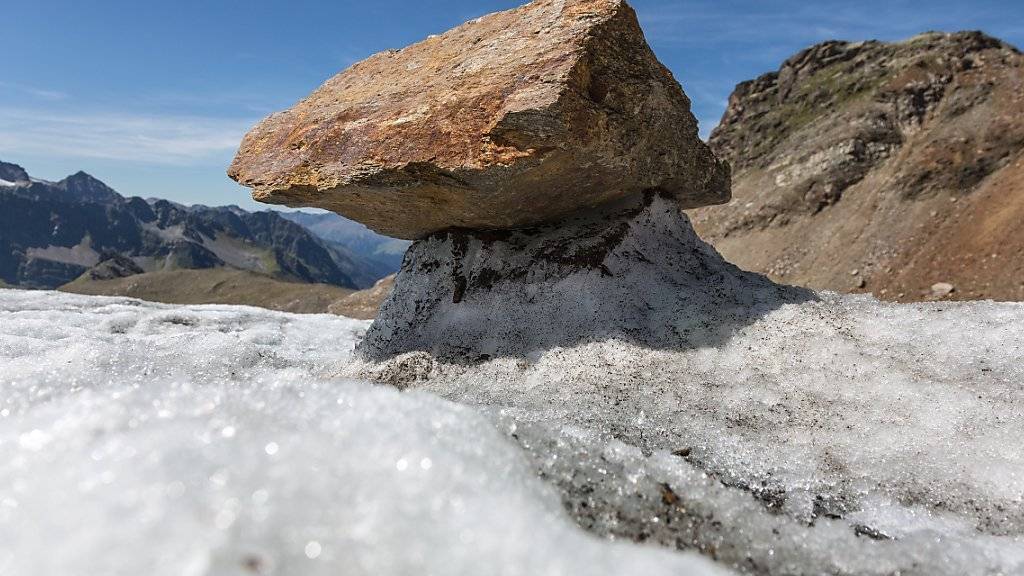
642 277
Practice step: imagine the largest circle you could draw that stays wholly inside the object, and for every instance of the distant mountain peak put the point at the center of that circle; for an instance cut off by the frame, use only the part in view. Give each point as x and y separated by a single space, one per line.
12 173
87 187
81 178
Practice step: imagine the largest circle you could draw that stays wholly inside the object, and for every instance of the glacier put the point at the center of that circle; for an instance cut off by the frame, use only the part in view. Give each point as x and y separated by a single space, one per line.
833 436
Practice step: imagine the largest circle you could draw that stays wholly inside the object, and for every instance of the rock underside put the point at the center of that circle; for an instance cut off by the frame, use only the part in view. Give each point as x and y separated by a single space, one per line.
514 119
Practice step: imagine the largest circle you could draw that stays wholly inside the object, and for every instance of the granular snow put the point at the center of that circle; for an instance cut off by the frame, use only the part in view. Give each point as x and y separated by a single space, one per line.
140 438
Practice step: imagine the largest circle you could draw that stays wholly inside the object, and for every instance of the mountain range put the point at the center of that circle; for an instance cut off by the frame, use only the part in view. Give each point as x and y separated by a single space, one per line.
53 233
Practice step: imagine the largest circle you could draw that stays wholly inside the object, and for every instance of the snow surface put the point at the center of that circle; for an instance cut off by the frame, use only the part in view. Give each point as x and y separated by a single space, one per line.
7 183
812 433
140 438
836 437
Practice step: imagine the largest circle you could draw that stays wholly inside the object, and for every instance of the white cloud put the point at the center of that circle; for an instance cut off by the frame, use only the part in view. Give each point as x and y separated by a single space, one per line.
181 140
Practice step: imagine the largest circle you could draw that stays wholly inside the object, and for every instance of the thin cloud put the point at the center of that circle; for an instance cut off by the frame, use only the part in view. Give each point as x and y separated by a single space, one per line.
39 93
245 101
176 140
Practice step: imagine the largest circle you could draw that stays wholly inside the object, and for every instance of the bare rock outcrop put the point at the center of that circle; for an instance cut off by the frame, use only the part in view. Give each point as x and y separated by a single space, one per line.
113 266
901 160
514 119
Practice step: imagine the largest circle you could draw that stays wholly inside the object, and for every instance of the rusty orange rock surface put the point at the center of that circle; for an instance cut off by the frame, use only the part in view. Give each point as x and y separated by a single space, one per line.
513 119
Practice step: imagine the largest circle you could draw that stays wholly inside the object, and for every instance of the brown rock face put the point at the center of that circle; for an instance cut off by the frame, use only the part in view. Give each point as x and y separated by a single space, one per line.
510 120
903 161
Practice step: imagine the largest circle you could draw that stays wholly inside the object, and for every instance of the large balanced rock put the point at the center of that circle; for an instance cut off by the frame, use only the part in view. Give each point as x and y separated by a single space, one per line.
514 119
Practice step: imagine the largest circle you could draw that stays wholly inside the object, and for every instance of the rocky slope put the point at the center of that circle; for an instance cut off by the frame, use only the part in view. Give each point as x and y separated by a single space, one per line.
52 233
364 304
880 167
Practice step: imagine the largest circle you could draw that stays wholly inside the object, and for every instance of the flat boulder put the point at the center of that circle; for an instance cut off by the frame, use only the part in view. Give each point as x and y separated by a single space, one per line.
514 119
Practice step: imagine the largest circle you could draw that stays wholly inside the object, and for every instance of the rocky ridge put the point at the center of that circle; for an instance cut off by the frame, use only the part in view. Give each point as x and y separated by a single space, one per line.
884 167
13 174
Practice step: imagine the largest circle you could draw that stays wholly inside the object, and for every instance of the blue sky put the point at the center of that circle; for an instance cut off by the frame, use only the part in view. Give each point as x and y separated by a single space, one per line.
152 97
